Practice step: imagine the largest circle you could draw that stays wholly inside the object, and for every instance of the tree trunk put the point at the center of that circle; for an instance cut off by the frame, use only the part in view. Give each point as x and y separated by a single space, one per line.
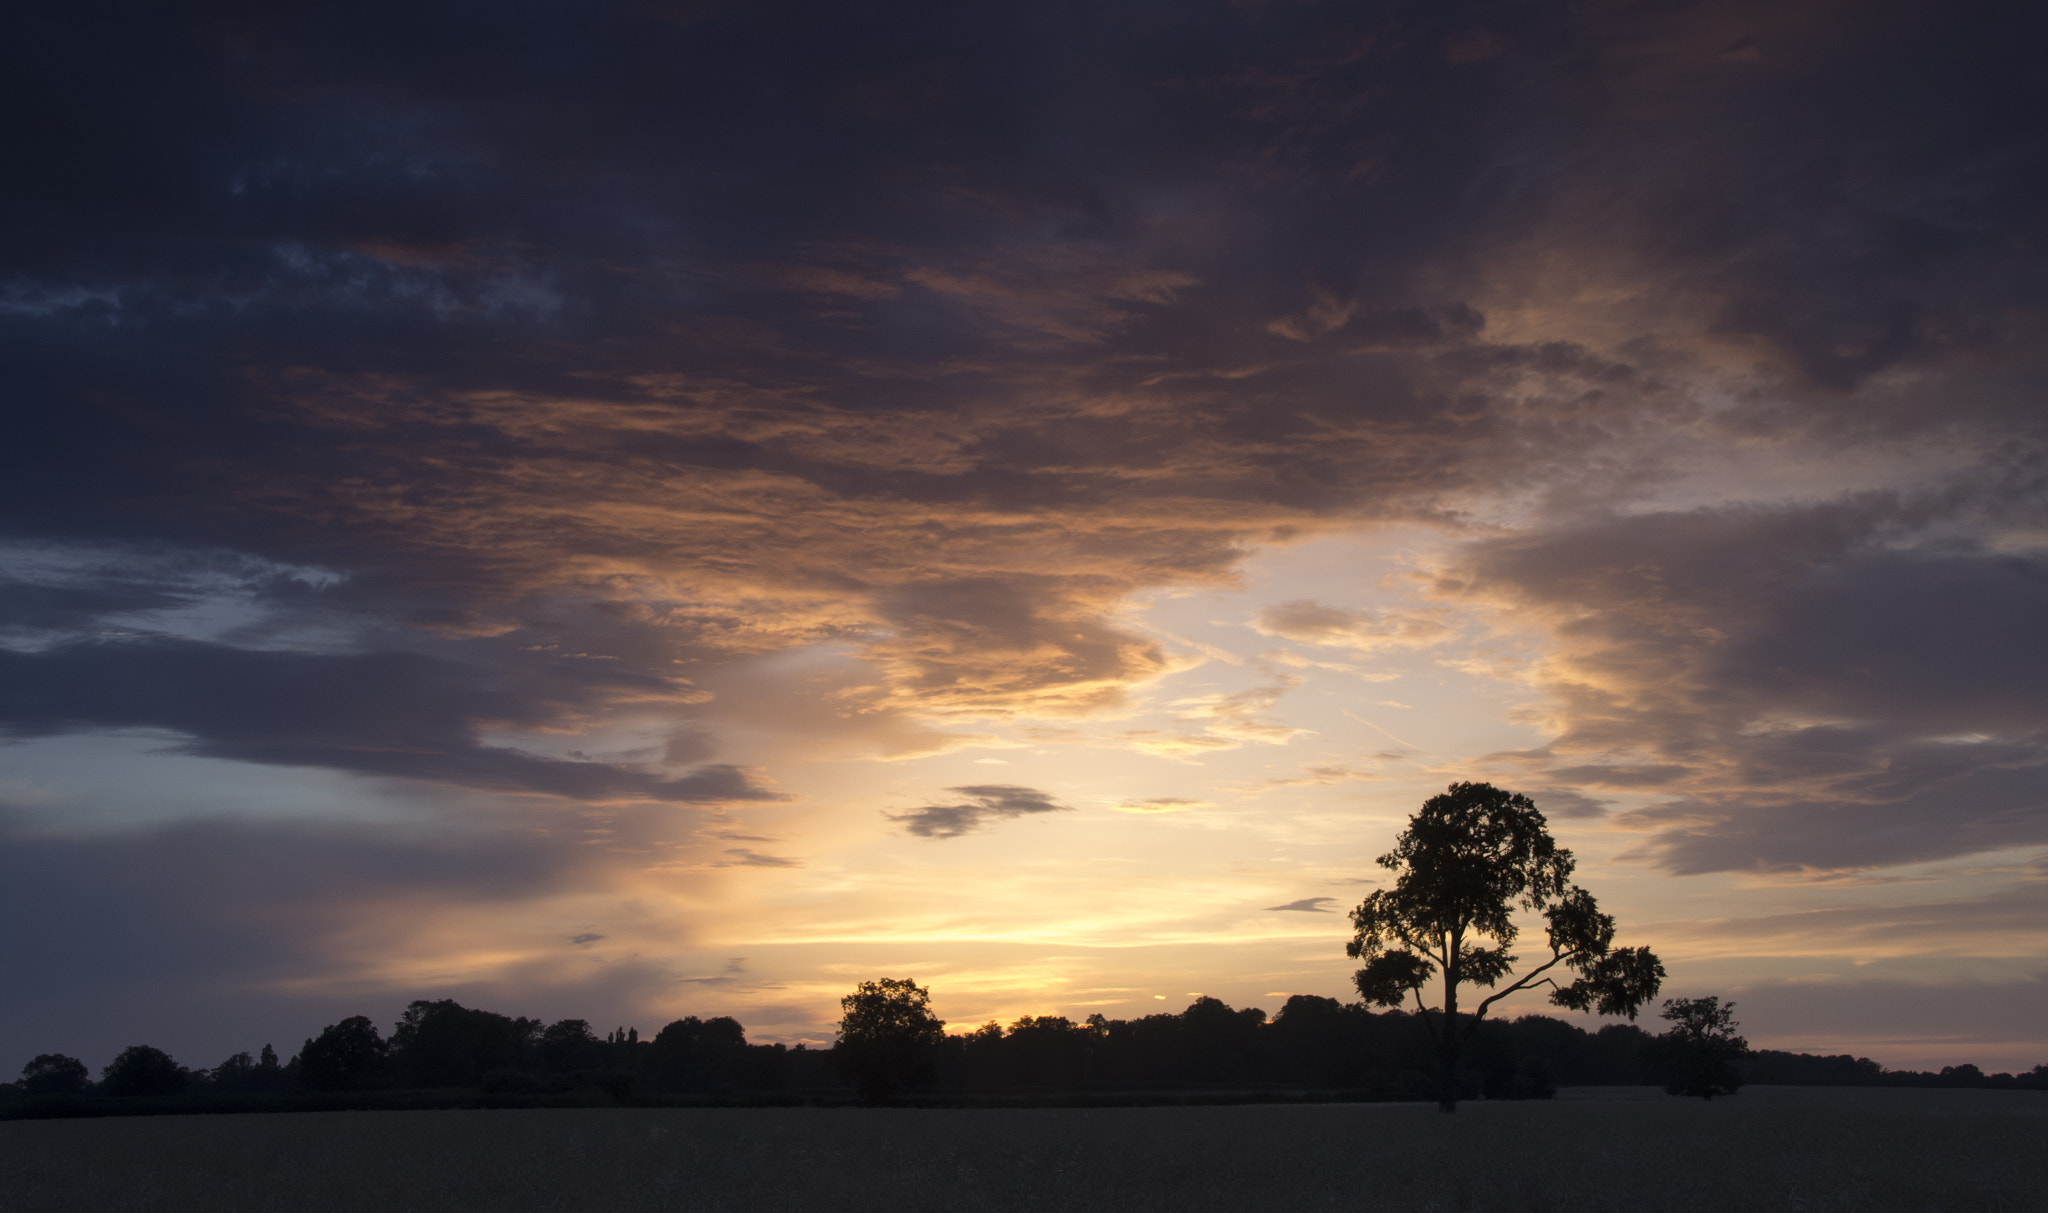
1447 1048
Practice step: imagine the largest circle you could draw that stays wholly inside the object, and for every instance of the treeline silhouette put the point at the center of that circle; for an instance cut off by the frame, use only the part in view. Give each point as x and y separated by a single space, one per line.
441 1053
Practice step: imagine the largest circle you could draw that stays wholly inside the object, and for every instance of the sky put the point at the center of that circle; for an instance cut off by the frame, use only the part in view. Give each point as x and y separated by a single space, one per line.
623 511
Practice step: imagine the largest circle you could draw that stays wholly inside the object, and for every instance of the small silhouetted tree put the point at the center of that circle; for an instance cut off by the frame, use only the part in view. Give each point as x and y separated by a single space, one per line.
346 1056
141 1070
1697 1055
1467 859
54 1074
236 1073
888 1037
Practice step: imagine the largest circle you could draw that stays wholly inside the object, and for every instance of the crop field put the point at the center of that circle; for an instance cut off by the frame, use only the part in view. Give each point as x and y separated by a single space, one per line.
1591 1149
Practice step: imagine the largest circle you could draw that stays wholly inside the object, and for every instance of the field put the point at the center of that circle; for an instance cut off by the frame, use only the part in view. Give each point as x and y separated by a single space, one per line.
1591 1150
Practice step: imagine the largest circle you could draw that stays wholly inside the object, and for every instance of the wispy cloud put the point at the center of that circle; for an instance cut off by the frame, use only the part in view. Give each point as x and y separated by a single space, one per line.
1160 804
1314 623
984 805
1307 905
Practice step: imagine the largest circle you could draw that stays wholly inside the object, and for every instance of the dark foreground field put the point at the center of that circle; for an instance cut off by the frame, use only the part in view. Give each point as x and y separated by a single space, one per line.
1619 1149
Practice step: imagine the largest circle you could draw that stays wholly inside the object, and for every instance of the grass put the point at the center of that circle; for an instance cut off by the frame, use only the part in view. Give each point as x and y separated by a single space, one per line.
1794 1148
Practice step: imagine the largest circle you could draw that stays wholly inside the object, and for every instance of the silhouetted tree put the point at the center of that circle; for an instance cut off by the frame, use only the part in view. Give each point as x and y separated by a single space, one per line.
888 1037
1040 1050
234 1073
445 1044
696 1054
1698 1055
54 1074
346 1056
141 1070
567 1045
1466 860
1218 1040
1772 1067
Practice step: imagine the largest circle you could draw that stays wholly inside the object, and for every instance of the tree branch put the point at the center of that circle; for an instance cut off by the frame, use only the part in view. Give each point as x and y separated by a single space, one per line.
1426 1025
1526 982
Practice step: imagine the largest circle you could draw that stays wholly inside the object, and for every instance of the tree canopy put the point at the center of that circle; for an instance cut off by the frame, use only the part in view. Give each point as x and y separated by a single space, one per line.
346 1056
54 1074
888 1036
1467 861
142 1070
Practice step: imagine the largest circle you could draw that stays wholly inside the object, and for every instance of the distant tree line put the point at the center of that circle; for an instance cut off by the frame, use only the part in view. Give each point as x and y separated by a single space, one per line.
1312 1045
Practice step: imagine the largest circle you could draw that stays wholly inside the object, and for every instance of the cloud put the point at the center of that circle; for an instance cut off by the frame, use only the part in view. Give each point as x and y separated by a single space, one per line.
1618 777
1309 621
1815 686
1307 905
2004 919
735 969
1160 804
1559 802
985 805
741 857
585 939
1220 721
388 714
1324 774
30 606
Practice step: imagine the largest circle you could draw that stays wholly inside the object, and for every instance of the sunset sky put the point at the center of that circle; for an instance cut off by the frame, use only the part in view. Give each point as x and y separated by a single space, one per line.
626 511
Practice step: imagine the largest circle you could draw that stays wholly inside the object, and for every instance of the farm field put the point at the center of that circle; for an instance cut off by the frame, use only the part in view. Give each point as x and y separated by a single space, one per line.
1592 1149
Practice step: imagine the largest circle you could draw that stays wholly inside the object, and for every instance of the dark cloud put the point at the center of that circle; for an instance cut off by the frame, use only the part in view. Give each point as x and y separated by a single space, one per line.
985 805
1308 905
1836 684
490 319
1619 777
585 939
391 714
1559 802
28 606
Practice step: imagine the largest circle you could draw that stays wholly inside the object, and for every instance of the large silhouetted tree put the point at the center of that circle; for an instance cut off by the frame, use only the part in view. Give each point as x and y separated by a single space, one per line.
694 1054
346 1056
54 1074
142 1070
1466 861
888 1037
1698 1055
445 1044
